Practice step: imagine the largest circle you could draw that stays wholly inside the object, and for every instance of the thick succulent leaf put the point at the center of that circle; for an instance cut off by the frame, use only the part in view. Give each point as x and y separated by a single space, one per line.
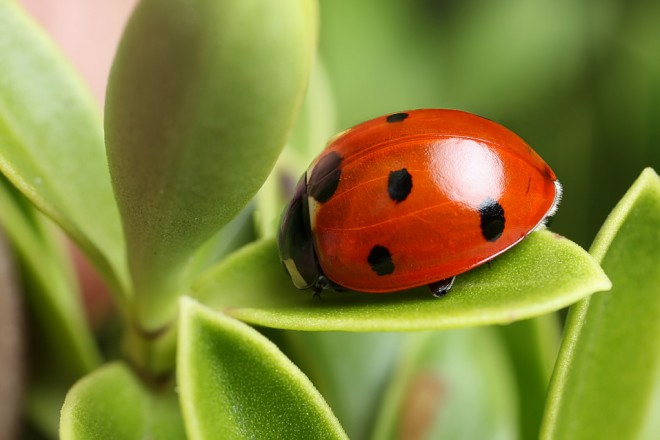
195 120
276 192
51 292
112 403
350 370
455 384
607 369
316 121
235 384
51 142
532 346
543 273
651 427
62 347
314 126
234 235
12 345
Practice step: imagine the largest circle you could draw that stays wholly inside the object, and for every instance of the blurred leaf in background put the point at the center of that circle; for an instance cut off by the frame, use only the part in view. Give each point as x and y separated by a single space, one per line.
456 384
609 360
579 81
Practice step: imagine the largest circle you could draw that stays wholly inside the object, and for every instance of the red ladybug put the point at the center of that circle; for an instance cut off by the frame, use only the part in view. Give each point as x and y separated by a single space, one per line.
412 199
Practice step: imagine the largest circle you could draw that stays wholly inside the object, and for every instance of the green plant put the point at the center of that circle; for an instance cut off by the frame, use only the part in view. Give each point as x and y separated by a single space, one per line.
194 123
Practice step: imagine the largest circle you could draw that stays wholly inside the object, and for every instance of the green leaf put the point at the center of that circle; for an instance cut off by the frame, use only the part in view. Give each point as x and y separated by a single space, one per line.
315 125
51 292
543 273
455 384
651 428
316 122
607 369
195 120
235 383
51 143
350 370
112 403
43 403
12 344
532 347
62 347
234 235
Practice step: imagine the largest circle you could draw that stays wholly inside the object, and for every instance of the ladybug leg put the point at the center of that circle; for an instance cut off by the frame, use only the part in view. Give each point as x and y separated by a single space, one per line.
318 288
490 261
338 288
440 288
322 283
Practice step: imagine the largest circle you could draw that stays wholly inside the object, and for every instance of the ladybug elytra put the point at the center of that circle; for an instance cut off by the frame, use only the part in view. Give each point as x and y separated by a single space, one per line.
411 199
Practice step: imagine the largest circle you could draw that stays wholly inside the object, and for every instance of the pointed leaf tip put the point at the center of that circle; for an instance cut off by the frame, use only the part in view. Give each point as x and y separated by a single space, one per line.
195 120
542 274
52 143
234 381
606 373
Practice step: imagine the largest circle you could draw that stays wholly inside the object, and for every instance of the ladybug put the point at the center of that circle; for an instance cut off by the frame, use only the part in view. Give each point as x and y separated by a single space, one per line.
413 199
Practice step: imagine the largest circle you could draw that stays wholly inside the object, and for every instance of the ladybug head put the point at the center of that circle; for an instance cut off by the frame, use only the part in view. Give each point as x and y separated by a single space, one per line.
295 242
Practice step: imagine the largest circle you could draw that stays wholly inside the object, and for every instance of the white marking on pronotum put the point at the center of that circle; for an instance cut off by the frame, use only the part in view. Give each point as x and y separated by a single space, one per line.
297 279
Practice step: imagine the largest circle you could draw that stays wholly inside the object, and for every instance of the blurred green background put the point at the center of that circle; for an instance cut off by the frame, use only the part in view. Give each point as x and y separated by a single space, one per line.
578 80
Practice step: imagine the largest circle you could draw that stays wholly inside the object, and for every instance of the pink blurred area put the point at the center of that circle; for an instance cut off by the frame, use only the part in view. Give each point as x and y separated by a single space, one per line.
88 32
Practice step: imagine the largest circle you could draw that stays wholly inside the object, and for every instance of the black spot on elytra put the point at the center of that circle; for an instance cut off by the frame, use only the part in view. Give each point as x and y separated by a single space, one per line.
397 117
399 185
325 177
380 260
492 219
